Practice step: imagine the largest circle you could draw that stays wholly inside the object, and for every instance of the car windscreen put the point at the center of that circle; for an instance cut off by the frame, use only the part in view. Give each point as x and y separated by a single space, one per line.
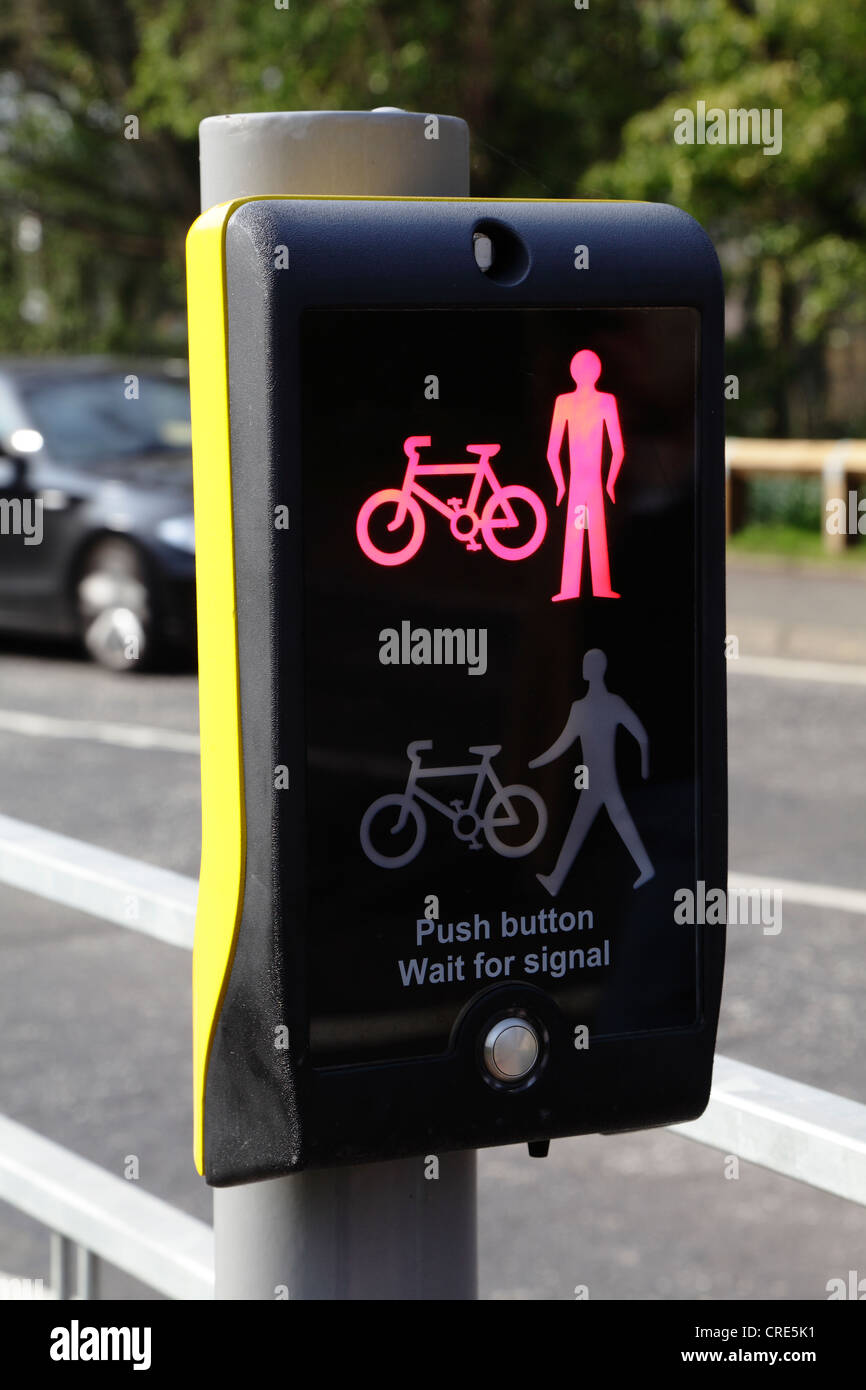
85 419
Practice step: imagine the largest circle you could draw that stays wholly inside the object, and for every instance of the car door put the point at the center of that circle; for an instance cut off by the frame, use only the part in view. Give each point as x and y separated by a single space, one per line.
21 531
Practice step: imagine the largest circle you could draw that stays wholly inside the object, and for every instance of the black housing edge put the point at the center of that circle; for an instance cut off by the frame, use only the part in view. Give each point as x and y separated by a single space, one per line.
267 1111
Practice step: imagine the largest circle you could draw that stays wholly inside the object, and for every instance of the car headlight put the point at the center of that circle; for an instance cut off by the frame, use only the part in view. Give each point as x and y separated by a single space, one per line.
178 531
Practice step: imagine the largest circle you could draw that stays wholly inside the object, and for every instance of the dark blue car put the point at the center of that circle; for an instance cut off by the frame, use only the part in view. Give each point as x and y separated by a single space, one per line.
96 517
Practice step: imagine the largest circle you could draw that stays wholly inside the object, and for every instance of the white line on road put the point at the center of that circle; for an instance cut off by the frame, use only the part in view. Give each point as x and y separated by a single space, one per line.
161 903
144 737
128 892
795 891
834 672
13 721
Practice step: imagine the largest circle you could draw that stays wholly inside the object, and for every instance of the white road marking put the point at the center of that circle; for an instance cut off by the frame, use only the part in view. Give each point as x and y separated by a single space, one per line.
13 721
161 903
113 887
795 891
142 736
834 672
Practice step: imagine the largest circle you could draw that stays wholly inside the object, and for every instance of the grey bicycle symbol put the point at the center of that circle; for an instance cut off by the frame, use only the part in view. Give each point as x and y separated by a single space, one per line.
516 808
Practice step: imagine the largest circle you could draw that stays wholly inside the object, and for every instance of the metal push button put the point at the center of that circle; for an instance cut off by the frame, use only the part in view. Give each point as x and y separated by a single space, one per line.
511 1049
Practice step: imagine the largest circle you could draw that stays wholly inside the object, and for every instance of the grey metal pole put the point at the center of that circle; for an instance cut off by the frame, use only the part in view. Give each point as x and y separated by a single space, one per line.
374 1231
347 153
404 1229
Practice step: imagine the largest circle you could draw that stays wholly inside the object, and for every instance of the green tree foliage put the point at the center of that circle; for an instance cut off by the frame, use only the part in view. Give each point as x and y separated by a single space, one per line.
545 90
561 102
790 227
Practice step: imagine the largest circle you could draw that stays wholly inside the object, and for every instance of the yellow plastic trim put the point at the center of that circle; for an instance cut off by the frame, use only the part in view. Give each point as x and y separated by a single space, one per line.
223 831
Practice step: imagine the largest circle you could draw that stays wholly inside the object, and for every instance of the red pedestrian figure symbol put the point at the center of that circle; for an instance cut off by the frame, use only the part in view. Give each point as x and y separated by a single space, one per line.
585 413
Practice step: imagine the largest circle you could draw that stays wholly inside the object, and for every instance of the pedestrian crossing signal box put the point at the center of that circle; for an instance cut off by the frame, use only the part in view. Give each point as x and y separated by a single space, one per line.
460 528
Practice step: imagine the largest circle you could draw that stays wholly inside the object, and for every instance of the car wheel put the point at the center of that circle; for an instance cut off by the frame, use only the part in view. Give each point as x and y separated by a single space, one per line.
115 606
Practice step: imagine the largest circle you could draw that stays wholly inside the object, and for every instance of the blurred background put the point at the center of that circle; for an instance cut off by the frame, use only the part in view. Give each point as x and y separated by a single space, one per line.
99 106
100 103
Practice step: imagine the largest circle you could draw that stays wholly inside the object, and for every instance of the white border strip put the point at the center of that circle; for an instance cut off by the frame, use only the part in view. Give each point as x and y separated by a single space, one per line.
796 1130
15 721
115 1219
785 668
808 894
125 891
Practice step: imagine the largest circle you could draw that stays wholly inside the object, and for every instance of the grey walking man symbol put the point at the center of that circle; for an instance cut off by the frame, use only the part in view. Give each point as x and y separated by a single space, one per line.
594 720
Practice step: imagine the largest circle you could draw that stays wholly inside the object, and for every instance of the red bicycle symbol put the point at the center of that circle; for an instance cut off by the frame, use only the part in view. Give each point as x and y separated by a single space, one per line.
508 509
